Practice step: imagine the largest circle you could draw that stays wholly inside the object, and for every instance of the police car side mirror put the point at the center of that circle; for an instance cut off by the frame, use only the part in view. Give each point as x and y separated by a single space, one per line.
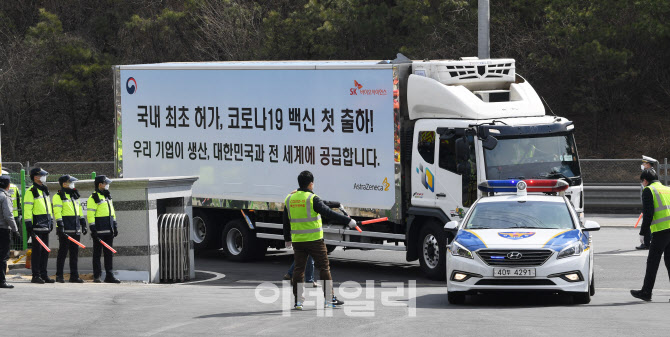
451 226
590 226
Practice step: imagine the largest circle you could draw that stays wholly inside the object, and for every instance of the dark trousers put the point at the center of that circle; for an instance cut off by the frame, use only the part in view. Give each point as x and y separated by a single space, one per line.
646 233
40 257
98 249
660 244
5 236
317 249
65 246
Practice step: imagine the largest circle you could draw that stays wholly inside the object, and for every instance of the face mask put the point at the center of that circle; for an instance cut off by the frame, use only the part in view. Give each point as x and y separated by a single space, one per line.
43 179
107 187
72 186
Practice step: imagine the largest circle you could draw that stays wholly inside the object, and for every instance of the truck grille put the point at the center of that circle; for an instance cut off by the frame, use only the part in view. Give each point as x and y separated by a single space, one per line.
503 257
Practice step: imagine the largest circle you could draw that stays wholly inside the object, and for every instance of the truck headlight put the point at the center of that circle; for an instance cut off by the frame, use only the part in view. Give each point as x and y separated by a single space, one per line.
458 250
574 249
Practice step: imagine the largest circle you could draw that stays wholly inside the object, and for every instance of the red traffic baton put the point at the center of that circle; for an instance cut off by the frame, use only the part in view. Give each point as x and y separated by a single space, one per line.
638 220
75 241
374 220
107 246
42 243
359 229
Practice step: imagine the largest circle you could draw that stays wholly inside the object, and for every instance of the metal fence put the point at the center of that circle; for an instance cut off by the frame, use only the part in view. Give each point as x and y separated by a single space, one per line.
618 171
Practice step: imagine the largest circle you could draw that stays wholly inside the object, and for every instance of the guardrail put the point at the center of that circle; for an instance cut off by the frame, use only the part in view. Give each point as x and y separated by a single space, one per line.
612 198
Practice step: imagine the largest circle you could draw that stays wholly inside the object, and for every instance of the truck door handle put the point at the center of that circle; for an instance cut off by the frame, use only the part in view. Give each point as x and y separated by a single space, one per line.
442 195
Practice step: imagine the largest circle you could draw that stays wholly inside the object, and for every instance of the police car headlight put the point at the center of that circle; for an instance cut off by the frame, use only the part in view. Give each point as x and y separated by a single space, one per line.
458 250
574 249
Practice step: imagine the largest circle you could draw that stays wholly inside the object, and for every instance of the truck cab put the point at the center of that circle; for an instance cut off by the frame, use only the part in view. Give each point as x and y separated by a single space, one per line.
470 121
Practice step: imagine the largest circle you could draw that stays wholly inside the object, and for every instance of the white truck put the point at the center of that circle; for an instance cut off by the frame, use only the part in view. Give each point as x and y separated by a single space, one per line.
407 140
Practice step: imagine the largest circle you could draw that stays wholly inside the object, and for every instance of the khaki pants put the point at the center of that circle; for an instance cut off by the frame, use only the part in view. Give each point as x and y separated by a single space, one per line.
317 249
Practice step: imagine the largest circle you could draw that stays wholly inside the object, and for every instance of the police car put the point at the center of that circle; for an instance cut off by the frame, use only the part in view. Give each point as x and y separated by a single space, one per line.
517 240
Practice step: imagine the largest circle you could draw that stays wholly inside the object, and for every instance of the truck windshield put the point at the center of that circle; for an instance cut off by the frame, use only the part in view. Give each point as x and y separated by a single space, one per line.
514 214
538 157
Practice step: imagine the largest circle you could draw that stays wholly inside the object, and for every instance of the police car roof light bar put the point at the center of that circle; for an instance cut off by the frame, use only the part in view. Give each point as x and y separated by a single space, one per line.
533 185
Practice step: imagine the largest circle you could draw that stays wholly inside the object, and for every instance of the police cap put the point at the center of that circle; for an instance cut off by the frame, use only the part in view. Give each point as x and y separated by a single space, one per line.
102 180
66 178
38 171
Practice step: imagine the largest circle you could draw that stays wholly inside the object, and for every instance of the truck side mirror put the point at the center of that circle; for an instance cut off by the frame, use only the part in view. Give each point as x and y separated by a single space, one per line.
490 142
462 149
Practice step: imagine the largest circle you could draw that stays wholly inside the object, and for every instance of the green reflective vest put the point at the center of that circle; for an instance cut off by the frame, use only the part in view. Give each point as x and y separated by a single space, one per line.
100 213
38 210
69 211
14 193
305 222
661 220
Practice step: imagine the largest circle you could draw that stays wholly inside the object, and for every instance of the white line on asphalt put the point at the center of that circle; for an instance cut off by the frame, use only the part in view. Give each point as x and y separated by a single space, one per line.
217 276
625 289
165 328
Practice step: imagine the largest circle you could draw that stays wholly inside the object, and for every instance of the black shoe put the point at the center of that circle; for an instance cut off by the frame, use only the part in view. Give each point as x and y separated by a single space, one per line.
76 280
37 279
335 301
642 247
641 295
112 280
97 280
6 285
48 280
60 279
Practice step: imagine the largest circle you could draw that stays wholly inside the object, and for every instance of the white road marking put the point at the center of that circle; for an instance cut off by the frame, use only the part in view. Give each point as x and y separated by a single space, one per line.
217 276
165 328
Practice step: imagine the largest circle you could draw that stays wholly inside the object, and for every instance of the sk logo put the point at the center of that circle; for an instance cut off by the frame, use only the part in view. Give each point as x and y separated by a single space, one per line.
516 235
357 86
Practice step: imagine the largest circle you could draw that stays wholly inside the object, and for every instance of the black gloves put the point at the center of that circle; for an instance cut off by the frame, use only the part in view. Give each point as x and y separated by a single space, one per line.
82 223
29 227
60 230
116 231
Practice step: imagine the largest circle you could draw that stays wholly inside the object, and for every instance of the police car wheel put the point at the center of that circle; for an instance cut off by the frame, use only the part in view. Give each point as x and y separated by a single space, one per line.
455 297
239 243
581 298
432 248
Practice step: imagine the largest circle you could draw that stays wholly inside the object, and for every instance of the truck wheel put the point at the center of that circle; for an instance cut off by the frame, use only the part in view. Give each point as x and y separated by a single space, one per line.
456 297
239 243
432 248
206 234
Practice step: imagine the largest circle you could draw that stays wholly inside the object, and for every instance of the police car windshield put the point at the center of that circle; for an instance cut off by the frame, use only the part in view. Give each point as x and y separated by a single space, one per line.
514 214
538 157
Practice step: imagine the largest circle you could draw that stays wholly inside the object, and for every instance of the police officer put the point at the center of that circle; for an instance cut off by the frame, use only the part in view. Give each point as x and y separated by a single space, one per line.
69 222
302 231
102 222
656 216
645 235
7 226
16 201
38 215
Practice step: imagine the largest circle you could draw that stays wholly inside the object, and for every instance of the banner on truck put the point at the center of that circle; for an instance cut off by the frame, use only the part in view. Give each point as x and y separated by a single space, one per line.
249 133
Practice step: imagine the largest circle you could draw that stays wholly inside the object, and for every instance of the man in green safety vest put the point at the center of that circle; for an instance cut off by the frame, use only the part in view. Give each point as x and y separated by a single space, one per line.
656 216
38 215
102 223
69 222
302 231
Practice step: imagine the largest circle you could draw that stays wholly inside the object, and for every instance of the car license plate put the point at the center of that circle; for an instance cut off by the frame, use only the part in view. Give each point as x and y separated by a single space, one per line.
513 272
